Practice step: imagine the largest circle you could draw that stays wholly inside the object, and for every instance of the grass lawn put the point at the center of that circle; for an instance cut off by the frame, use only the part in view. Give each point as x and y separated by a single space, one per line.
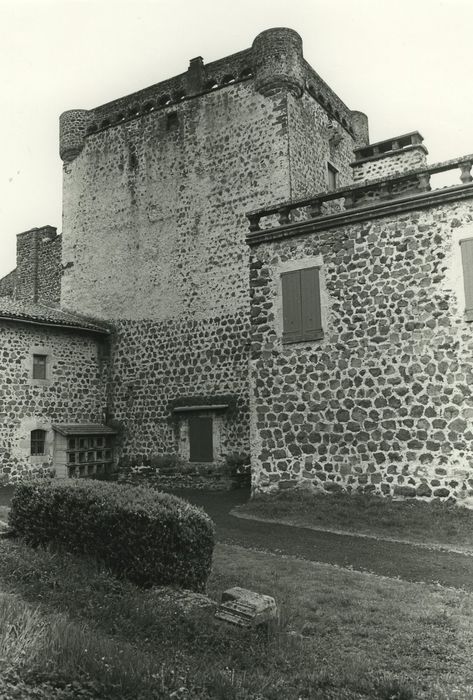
68 630
415 521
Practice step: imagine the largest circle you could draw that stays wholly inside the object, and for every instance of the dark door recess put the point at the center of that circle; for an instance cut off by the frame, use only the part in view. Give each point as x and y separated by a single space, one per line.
200 439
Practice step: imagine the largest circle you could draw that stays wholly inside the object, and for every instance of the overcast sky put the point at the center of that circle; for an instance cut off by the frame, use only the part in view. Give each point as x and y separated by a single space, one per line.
406 63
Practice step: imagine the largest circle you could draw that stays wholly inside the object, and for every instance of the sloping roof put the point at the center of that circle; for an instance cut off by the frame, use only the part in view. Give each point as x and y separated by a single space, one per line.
33 312
83 429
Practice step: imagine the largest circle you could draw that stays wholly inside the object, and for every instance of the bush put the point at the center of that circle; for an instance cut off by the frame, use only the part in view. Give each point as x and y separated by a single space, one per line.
239 468
150 538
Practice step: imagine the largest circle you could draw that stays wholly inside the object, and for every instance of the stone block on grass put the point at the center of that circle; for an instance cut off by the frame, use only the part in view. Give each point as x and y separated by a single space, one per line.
246 608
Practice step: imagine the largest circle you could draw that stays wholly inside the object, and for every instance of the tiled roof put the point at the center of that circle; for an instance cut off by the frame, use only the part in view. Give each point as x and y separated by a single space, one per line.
32 312
84 429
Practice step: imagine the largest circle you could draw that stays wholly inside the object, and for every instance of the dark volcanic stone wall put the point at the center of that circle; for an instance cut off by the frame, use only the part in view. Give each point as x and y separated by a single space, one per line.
156 365
38 270
383 403
74 391
7 284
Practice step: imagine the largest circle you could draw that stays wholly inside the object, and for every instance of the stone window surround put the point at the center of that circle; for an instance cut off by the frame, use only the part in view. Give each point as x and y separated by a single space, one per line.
40 350
28 424
38 440
454 275
218 418
291 266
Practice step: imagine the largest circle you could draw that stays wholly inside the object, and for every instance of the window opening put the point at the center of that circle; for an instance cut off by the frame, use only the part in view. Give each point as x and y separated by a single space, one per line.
38 441
39 366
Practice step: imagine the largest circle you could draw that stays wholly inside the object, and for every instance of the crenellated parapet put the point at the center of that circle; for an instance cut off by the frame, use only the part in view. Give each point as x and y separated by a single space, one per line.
170 94
388 157
274 63
73 126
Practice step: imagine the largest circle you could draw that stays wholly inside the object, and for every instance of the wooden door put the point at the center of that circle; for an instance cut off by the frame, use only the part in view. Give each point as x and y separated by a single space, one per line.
200 439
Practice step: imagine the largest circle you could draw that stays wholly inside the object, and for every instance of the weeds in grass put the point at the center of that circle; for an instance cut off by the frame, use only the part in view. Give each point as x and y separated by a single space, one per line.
115 641
22 631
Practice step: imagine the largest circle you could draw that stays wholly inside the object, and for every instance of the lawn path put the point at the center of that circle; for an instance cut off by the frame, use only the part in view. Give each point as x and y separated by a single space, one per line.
385 558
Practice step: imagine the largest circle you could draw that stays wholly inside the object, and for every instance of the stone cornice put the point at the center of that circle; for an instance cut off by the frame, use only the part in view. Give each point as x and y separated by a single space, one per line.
365 213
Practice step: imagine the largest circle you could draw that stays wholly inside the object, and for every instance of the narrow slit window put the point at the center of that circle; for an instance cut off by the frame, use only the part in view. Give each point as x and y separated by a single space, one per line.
332 177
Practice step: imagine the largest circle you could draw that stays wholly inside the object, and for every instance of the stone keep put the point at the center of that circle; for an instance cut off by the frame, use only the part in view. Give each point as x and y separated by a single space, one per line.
156 188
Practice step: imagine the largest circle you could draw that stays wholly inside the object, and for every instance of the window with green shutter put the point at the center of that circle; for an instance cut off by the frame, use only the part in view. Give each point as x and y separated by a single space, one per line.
466 246
302 314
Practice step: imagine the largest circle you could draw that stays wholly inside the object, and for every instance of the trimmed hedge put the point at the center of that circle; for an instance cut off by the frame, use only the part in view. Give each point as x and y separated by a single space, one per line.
148 537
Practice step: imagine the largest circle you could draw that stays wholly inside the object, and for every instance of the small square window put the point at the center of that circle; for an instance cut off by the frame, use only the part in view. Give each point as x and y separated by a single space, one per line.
332 177
39 366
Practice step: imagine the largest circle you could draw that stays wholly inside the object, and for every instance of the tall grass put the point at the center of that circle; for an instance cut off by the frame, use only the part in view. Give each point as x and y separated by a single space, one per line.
75 631
22 632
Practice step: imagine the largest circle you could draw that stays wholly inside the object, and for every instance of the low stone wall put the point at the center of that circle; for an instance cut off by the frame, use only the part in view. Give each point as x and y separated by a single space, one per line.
197 478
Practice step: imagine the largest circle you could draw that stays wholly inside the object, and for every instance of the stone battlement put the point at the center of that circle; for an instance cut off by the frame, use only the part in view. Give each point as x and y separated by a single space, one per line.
275 61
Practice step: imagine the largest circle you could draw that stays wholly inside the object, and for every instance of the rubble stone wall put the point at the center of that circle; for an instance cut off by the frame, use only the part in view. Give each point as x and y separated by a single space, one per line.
49 271
313 143
156 365
154 239
383 403
74 391
38 265
8 284
392 163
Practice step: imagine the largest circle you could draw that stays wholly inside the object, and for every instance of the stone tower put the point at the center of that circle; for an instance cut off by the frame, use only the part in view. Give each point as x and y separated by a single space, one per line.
156 188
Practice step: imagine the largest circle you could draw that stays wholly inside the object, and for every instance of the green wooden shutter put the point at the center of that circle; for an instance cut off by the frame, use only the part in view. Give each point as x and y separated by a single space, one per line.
302 313
291 306
467 262
310 302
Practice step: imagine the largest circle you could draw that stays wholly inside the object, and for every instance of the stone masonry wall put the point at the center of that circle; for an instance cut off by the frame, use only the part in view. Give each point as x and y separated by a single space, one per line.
383 403
313 144
390 163
49 271
166 236
38 270
155 364
73 392
8 284
162 251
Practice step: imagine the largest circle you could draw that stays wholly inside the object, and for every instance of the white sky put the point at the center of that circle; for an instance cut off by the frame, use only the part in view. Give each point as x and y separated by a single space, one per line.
407 63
